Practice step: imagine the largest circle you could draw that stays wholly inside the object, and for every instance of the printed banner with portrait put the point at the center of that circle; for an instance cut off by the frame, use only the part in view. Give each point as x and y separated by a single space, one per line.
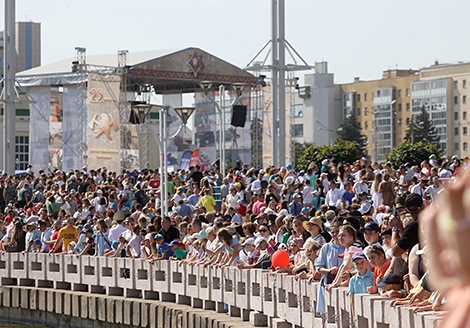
39 121
103 125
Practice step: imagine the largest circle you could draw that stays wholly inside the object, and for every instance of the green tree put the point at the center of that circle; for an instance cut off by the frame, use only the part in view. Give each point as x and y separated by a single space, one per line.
421 129
299 149
341 150
350 130
414 153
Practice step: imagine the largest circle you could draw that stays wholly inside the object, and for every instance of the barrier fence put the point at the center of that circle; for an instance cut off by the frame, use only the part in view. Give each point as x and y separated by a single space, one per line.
253 295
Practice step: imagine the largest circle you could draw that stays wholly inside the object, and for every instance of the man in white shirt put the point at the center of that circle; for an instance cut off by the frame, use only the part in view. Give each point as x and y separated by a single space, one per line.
133 247
116 231
445 172
307 193
433 189
332 196
361 186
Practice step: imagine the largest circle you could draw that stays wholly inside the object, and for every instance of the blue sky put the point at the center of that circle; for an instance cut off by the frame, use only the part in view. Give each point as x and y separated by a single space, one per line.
357 38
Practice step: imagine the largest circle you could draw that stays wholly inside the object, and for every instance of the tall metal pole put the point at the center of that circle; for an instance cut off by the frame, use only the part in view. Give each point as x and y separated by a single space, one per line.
165 158
9 114
222 128
161 156
274 87
282 85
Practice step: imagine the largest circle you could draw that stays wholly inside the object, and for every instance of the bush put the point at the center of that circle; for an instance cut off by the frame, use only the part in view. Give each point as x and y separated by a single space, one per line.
413 153
341 150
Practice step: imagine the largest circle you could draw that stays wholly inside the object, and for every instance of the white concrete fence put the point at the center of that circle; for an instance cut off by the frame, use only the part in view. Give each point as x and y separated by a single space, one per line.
253 295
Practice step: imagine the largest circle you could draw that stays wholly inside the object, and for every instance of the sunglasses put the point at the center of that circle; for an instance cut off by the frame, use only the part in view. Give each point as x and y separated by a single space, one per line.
263 230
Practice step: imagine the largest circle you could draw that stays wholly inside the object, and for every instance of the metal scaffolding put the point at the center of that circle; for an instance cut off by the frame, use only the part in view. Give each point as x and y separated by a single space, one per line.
278 69
80 57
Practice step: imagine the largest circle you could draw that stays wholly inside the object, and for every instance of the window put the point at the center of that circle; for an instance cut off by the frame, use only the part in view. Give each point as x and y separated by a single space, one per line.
366 111
407 92
399 93
358 97
464 99
22 152
366 125
456 131
298 130
298 110
456 116
399 107
465 146
407 121
456 84
456 146
464 115
399 122
407 107
456 100
366 96
464 130
359 111
464 83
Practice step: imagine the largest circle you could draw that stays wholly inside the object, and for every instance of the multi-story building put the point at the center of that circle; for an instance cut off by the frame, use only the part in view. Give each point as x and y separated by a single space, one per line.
315 110
383 107
447 97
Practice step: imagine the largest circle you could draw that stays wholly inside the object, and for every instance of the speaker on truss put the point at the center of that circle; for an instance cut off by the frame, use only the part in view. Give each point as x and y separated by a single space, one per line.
239 115
134 118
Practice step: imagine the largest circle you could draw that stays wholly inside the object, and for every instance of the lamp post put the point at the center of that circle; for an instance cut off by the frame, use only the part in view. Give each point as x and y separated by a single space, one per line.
162 138
220 106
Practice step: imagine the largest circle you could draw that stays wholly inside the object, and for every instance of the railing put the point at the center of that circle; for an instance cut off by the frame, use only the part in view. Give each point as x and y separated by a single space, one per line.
251 294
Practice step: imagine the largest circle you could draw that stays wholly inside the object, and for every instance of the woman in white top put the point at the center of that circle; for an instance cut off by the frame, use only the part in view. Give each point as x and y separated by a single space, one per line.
232 198
374 190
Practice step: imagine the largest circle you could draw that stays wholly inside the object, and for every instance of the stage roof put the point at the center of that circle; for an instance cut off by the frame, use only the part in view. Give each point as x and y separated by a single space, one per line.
167 70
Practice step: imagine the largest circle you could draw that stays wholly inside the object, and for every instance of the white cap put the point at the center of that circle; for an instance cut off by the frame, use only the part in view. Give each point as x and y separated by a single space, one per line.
249 241
99 191
324 162
258 241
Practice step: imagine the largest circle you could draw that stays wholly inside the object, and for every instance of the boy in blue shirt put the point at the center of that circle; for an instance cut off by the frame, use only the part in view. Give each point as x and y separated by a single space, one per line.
363 278
164 251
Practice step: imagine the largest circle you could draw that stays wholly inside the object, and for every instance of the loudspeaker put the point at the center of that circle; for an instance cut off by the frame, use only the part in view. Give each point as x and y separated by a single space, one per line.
239 115
134 118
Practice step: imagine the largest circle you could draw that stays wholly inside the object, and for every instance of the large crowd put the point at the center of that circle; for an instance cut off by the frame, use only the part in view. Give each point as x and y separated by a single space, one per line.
343 224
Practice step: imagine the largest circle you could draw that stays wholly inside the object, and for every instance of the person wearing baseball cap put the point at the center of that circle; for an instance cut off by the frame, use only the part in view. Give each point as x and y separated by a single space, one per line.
363 278
391 286
404 238
295 207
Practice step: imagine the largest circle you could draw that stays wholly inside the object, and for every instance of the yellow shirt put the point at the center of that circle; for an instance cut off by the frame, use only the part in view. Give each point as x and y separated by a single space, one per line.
208 202
68 235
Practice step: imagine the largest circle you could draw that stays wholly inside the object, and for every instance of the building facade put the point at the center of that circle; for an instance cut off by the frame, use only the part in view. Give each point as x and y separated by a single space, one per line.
383 108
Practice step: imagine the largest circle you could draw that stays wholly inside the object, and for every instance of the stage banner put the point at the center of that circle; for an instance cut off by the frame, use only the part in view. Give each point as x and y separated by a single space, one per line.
39 121
70 126
185 159
56 133
174 145
103 126
130 144
206 121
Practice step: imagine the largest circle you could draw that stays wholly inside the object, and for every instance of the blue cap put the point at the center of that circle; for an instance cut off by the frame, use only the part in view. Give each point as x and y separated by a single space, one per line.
305 210
80 226
392 279
301 173
158 236
359 255
38 241
371 226
288 165
174 242
115 244
403 166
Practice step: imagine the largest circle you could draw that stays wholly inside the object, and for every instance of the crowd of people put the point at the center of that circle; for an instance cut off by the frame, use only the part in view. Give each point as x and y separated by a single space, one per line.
342 224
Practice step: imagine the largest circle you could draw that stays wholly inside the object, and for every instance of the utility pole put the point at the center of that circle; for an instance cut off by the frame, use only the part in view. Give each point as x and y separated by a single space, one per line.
9 94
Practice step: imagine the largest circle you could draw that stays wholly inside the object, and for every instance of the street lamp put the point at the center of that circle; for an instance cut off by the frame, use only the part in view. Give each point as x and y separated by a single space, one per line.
162 138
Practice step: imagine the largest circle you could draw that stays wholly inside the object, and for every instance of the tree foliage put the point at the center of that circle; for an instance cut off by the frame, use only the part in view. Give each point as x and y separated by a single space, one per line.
341 150
350 130
421 129
299 149
414 153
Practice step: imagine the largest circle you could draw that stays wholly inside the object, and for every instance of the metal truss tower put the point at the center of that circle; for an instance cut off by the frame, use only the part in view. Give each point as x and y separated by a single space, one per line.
123 105
80 57
278 69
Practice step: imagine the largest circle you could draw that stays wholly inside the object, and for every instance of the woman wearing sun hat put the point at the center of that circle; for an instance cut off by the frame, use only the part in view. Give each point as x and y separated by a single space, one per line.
315 227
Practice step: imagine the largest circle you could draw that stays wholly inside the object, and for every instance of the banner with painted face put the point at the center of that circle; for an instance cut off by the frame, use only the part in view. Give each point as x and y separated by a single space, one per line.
39 122
103 124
